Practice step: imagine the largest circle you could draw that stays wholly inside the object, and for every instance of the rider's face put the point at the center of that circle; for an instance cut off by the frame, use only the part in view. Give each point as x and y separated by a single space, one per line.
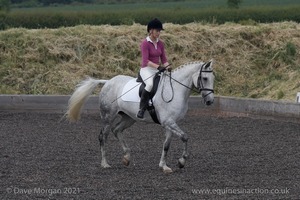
155 33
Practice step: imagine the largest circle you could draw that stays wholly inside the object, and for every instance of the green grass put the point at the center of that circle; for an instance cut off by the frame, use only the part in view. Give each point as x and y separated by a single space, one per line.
183 12
182 5
269 2
54 19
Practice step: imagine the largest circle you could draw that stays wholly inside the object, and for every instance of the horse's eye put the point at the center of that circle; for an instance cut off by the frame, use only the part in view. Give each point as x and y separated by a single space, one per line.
205 78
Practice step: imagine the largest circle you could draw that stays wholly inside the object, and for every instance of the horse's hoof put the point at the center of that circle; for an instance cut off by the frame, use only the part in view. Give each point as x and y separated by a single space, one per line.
181 163
167 170
125 161
105 166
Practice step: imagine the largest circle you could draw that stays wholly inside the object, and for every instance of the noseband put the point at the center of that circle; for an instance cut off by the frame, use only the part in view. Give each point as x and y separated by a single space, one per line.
200 85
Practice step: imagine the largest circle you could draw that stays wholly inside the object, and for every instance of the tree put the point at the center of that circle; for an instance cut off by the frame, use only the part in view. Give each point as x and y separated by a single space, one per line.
234 3
4 5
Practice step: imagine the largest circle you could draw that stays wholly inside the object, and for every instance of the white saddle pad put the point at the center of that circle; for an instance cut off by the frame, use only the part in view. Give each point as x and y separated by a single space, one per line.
130 91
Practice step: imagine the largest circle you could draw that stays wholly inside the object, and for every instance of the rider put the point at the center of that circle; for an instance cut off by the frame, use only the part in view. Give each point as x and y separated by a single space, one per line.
153 53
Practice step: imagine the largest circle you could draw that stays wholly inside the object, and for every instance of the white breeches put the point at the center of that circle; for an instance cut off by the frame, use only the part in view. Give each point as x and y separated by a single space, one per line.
147 74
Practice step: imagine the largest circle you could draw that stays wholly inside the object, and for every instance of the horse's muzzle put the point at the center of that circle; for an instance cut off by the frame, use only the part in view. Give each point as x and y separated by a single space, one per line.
209 102
209 99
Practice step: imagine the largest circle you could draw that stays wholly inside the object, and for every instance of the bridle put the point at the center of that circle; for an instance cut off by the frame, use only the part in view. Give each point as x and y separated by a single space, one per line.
200 86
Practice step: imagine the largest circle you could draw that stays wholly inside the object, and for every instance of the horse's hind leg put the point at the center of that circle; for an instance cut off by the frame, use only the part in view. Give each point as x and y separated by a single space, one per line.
103 140
124 122
162 163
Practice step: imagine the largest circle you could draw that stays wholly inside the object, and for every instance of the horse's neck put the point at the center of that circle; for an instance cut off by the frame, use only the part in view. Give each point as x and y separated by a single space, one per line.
184 75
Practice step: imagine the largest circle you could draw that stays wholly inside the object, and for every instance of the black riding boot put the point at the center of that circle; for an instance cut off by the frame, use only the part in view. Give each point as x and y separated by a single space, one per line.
144 103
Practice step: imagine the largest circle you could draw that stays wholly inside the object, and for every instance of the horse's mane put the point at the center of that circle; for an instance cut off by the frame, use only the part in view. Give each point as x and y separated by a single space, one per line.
189 63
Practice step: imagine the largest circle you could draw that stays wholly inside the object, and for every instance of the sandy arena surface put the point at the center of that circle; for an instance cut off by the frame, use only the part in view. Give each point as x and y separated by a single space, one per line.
230 158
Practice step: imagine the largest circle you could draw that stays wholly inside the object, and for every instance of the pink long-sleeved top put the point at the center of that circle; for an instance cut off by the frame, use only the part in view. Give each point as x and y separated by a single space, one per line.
152 53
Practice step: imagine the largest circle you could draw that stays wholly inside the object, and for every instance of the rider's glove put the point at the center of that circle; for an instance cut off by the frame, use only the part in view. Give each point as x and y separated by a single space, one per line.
161 69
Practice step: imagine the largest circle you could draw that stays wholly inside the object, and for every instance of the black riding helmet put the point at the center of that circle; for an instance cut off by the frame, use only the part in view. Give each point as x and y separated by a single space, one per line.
154 24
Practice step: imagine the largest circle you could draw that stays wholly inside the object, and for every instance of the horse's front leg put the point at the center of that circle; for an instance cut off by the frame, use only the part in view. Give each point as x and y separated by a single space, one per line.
174 128
166 146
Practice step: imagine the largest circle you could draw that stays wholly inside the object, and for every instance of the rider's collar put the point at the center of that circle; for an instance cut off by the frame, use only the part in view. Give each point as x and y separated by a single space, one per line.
149 39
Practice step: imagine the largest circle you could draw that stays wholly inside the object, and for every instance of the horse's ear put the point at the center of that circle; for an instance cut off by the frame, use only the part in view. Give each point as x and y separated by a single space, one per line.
208 64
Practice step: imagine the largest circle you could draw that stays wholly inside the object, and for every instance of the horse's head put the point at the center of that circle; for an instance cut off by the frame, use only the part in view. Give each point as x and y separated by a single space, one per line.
204 82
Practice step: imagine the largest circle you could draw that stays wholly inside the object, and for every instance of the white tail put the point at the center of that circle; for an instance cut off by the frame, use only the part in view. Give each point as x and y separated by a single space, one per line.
79 97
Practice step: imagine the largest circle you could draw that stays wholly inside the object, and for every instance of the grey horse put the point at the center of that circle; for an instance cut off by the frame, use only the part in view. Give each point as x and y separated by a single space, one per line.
118 113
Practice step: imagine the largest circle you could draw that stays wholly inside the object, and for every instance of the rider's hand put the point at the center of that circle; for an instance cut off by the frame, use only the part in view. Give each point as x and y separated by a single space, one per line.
161 69
168 66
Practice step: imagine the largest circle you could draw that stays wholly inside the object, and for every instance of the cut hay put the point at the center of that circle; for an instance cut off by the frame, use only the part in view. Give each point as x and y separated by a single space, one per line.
257 61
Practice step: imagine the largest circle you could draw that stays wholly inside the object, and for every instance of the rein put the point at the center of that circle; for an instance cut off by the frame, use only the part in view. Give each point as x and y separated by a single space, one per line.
162 91
171 78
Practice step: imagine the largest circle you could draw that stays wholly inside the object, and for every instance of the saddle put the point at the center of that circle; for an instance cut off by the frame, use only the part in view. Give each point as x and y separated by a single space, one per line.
156 80
150 108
